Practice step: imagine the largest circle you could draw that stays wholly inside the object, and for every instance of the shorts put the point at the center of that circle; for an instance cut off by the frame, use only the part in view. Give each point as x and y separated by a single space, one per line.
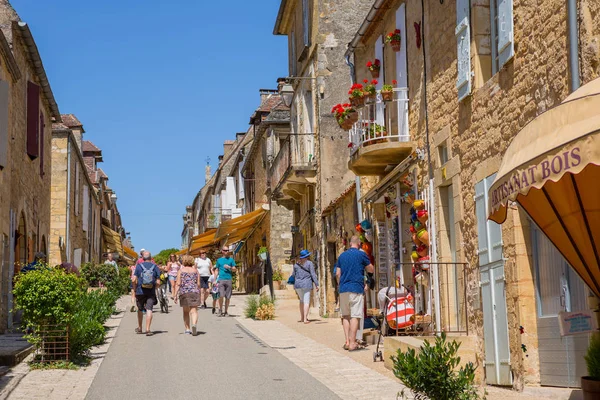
189 300
225 289
304 295
352 304
215 296
204 282
172 277
145 301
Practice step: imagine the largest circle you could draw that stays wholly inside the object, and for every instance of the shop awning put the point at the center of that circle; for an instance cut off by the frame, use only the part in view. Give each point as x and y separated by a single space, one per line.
379 190
552 169
240 228
112 241
200 242
130 254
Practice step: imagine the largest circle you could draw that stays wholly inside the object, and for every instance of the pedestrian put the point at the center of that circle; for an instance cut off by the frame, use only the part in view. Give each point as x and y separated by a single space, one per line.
226 266
110 261
187 286
204 266
304 278
350 270
173 268
132 287
39 260
213 281
141 259
145 280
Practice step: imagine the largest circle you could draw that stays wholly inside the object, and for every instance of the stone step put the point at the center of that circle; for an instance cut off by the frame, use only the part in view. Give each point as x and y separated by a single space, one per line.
13 349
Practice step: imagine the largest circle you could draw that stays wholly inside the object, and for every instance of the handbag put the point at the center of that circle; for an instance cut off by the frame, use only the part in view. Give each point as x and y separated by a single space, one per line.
291 280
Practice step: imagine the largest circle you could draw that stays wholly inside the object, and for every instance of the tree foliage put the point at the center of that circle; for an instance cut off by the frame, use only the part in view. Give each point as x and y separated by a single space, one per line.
163 256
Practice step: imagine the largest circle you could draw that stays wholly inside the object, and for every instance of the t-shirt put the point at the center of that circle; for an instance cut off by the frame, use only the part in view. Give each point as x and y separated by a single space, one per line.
138 273
211 279
352 264
225 274
203 266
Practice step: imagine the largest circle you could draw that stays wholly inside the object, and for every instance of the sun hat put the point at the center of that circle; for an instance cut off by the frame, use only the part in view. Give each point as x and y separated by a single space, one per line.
304 254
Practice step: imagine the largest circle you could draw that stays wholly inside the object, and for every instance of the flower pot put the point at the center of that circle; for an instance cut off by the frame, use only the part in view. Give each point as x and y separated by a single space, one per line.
375 73
422 216
422 250
352 116
419 204
370 97
346 124
276 285
418 226
387 96
263 256
423 236
357 101
414 256
590 388
395 45
416 240
424 263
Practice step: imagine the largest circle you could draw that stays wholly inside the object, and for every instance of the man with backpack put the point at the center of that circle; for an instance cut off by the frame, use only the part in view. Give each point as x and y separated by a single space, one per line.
145 280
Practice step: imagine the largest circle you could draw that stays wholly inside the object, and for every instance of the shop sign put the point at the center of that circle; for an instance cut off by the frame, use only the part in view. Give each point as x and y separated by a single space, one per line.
576 323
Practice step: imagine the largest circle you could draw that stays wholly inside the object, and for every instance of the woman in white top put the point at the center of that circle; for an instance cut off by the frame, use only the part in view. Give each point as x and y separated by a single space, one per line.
204 266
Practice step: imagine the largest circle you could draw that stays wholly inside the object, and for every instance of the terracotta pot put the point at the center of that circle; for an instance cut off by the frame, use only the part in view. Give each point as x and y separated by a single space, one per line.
395 45
590 388
414 256
416 240
357 101
276 285
375 73
370 97
422 216
419 204
418 226
423 236
424 263
352 116
422 250
387 96
346 124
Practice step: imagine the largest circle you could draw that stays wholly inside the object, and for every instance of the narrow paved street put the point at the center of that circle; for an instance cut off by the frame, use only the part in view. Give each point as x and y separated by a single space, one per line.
224 361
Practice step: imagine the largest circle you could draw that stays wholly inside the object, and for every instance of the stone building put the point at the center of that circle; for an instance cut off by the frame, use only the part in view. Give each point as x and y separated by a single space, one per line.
75 231
27 107
317 32
473 74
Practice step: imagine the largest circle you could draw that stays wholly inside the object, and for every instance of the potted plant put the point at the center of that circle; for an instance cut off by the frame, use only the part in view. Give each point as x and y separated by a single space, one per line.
277 278
357 96
394 38
376 134
345 115
387 91
370 90
590 385
374 67
262 253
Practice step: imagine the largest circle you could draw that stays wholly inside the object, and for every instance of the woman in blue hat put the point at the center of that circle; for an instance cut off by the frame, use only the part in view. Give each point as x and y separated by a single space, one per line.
304 277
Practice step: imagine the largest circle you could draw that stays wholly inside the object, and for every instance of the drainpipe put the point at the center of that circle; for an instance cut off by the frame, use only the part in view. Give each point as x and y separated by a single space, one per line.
356 178
573 44
67 241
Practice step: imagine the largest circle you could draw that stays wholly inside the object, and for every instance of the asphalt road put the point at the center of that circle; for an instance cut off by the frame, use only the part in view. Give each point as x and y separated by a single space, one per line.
223 362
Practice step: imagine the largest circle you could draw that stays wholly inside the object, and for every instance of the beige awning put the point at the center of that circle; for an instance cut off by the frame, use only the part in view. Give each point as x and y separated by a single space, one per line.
112 241
552 169
241 227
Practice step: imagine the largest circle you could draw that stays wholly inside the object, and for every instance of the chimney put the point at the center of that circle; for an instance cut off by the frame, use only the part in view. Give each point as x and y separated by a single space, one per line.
265 94
239 135
227 146
220 160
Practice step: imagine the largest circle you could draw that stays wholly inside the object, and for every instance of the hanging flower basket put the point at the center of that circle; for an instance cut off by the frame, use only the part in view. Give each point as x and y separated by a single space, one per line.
353 116
396 44
394 38
387 96
358 101
374 67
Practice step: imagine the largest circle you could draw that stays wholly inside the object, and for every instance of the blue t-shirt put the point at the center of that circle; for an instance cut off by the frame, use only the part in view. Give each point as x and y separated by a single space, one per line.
225 274
352 264
138 272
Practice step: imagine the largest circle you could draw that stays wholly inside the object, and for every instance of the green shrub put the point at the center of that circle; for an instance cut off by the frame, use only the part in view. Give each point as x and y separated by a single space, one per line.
86 328
47 296
433 371
120 284
251 306
277 275
592 358
97 275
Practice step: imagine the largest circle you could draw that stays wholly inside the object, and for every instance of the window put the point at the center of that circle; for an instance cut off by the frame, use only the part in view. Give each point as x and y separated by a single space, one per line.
86 208
76 194
3 124
33 112
306 22
501 23
443 153
463 40
447 199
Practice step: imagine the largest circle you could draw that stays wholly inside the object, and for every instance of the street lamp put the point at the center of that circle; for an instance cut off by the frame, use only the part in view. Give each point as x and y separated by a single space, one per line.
287 93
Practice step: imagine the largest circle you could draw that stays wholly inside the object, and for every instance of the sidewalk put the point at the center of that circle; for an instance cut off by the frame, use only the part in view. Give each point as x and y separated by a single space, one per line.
317 348
61 384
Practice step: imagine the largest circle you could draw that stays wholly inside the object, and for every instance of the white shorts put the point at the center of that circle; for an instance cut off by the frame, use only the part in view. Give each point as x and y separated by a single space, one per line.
304 295
352 304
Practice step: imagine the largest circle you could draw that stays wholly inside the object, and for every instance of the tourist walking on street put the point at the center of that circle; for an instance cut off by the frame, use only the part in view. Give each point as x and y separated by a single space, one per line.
304 276
187 287
350 270
204 266
214 287
146 278
172 267
110 261
226 266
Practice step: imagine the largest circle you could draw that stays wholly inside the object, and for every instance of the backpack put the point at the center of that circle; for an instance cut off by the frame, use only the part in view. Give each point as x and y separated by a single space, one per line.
147 277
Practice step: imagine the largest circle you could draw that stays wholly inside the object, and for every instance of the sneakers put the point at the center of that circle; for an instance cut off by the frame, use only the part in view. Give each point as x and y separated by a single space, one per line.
194 330
203 306
214 310
187 332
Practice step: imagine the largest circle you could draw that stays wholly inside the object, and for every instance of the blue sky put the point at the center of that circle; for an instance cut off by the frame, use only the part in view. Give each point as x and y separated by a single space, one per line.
158 86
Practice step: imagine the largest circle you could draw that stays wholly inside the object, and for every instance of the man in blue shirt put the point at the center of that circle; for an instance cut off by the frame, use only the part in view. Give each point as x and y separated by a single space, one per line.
145 294
350 270
226 266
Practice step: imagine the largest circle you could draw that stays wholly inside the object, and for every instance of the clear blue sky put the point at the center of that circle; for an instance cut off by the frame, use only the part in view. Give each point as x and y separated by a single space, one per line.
158 86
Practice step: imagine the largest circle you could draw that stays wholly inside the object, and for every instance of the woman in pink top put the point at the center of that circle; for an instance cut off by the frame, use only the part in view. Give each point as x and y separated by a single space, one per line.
172 268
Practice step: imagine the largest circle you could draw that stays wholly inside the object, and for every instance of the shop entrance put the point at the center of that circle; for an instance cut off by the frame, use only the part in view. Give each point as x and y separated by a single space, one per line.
558 288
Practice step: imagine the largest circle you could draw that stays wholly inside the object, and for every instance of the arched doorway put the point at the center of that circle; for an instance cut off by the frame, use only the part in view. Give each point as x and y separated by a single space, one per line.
43 247
21 245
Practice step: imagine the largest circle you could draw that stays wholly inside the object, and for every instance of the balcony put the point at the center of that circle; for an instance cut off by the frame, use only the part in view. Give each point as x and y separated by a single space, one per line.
380 139
293 167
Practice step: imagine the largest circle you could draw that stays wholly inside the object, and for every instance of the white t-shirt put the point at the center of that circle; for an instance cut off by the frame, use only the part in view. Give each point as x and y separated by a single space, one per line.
211 279
203 266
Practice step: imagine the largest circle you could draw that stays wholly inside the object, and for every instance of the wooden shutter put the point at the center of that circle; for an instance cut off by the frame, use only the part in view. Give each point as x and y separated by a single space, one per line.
506 48
3 124
401 62
33 112
482 245
42 138
86 207
306 22
494 229
463 42
380 106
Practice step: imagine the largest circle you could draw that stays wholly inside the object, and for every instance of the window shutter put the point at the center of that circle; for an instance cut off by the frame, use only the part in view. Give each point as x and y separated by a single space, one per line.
463 42
33 112
86 207
41 135
494 229
3 124
480 212
380 107
506 48
306 22
293 60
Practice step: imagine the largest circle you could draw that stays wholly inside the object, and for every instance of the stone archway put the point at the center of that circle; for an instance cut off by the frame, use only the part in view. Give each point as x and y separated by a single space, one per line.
21 244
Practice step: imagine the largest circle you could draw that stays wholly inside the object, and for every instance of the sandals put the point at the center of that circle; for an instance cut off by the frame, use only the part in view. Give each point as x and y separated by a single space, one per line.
345 347
357 348
149 333
138 331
